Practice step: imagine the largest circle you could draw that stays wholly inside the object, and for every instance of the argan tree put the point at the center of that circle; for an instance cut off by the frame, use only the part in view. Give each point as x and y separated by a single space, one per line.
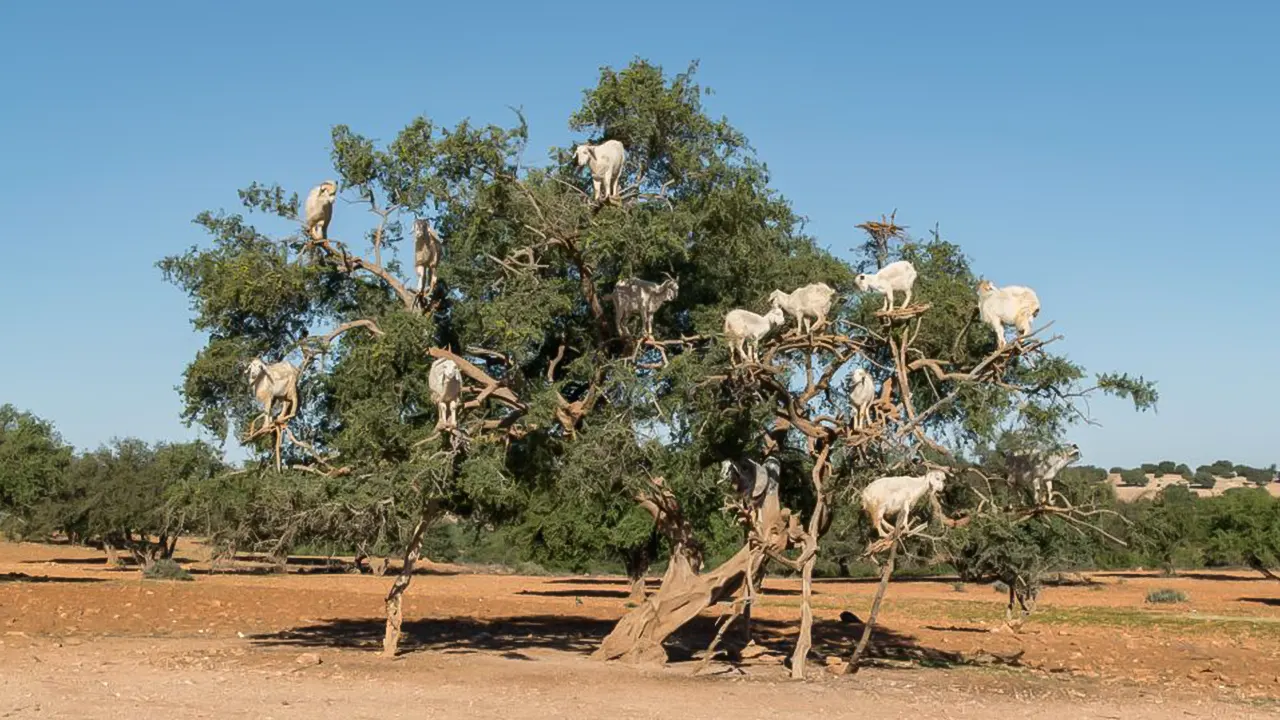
561 410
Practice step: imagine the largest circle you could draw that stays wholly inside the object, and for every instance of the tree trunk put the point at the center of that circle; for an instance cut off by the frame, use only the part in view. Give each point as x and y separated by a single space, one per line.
113 553
639 635
885 572
637 561
391 639
817 524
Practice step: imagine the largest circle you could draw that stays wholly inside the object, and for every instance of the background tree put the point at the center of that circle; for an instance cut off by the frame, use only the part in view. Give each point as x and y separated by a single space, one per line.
33 459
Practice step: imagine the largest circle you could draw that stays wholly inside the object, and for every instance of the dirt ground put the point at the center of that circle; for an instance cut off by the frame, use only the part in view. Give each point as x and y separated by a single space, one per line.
81 640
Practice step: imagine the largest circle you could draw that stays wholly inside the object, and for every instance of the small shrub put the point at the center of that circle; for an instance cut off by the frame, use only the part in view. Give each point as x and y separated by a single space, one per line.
166 569
957 586
1166 595
1000 587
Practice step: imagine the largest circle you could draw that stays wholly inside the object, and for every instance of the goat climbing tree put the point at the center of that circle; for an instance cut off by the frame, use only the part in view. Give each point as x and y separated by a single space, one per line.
563 418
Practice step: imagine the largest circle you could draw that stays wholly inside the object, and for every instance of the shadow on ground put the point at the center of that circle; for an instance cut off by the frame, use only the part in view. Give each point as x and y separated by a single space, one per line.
1183 575
1273 602
24 578
582 635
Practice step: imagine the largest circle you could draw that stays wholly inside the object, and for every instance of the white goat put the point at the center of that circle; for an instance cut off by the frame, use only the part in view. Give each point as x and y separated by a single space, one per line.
606 160
426 252
1010 305
319 209
744 329
445 383
900 276
633 296
862 392
812 301
1037 470
895 496
277 381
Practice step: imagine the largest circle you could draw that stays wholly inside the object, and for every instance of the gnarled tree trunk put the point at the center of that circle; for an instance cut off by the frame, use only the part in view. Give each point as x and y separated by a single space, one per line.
638 636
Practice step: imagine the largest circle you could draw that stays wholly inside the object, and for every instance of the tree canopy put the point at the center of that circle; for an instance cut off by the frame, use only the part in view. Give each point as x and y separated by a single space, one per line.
569 425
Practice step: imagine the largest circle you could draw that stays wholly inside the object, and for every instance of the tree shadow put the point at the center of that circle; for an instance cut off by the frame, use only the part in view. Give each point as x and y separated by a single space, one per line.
874 579
582 635
453 635
1273 602
24 578
578 593
125 561
956 629
1190 575
830 638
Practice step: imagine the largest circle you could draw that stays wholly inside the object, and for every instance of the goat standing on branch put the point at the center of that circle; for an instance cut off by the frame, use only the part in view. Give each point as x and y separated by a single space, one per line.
445 383
426 253
277 381
896 276
752 481
1037 470
319 209
809 305
896 495
1011 305
744 329
633 296
862 392
605 160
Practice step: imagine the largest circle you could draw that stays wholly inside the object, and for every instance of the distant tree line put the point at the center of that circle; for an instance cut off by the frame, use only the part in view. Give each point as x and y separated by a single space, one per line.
1204 476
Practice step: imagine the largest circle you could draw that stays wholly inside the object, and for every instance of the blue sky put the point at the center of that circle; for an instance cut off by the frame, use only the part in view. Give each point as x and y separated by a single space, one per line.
1107 154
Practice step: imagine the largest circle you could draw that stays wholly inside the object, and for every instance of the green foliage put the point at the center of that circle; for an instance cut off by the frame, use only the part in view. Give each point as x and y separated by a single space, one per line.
1135 478
1243 528
1165 526
1166 595
33 460
1167 467
1017 554
166 569
132 496
1203 479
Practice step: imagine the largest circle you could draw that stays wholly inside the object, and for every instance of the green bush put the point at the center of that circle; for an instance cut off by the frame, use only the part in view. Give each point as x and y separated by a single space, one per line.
1168 467
1203 479
166 569
1134 478
1166 595
1117 470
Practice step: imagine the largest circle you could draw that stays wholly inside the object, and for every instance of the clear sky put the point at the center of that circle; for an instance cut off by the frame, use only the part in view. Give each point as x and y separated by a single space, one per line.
1107 154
